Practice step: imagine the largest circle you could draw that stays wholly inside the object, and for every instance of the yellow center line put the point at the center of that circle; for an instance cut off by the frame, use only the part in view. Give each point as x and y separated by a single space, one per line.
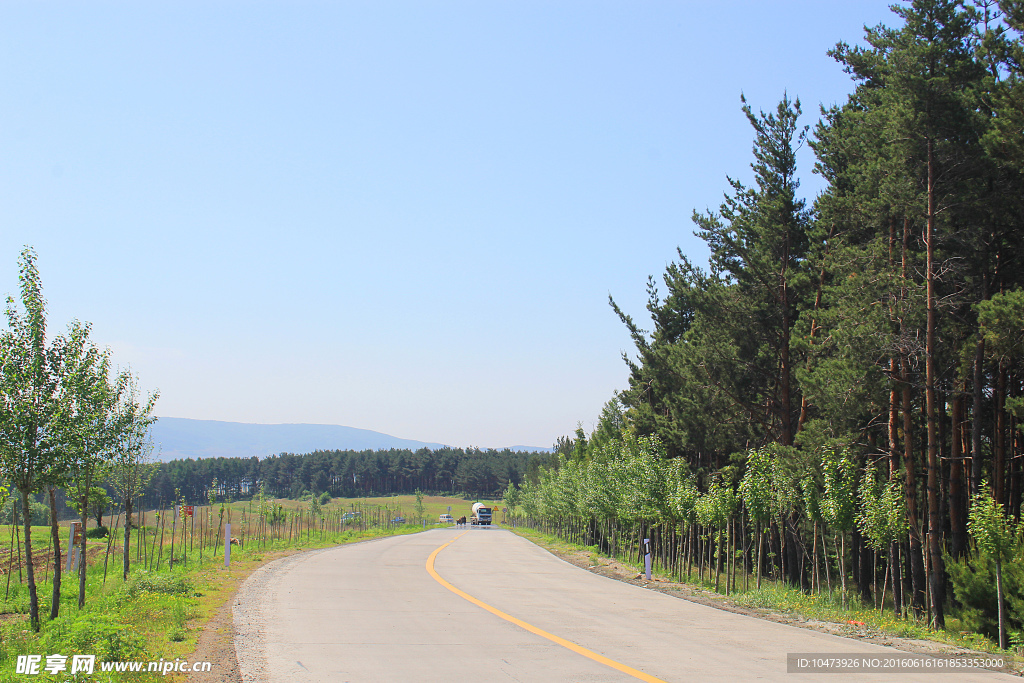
578 649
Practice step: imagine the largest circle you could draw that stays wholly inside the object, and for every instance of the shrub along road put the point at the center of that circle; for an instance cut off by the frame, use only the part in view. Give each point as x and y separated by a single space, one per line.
375 611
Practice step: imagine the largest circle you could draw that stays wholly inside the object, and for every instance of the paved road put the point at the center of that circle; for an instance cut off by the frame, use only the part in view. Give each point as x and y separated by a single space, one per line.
373 612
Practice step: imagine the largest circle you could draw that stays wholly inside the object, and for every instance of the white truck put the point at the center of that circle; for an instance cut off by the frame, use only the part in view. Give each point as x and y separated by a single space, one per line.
481 515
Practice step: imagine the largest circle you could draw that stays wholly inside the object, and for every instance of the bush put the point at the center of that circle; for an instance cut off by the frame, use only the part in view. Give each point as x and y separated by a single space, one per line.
974 584
91 633
325 498
148 582
97 532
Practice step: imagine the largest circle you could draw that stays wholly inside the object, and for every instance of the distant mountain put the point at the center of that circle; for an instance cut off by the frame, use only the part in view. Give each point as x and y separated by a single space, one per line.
530 449
179 437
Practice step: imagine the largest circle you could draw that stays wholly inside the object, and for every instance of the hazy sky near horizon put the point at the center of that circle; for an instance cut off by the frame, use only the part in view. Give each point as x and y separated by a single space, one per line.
404 217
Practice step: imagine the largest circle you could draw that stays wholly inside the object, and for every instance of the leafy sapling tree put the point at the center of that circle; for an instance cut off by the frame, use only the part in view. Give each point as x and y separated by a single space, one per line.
756 493
512 498
883 520
132 468
69 352
811 494
714 510
997 537
682 499
785 497
30 394
838 501
420 508
93 398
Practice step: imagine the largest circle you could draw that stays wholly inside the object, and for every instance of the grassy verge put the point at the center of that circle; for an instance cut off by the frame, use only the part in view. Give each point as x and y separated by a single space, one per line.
854 618
154 615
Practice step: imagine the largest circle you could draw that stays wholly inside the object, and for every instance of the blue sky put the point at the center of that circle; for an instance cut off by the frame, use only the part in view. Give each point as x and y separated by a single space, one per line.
402 216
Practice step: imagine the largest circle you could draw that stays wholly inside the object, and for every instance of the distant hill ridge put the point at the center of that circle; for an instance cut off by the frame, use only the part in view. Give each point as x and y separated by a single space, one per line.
180 437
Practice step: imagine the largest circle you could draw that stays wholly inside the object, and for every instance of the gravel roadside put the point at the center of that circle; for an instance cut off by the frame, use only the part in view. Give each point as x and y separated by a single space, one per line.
235 640
220 641
251 618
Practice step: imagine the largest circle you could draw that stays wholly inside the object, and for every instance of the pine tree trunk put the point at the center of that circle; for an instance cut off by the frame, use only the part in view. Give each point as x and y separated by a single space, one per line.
934 514
910 494
977 409
999 442
909 460
894 410
957 507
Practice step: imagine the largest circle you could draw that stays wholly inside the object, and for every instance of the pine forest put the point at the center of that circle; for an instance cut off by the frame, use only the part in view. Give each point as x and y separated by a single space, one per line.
836 400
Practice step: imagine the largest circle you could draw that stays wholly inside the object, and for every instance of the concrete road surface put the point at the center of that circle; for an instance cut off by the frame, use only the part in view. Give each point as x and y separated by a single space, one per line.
373 612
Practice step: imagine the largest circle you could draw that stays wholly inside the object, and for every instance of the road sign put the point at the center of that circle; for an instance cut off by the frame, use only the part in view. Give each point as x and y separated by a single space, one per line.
186 510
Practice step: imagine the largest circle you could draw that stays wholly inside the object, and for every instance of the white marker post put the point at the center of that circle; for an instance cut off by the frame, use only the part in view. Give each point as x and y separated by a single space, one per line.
647 558
72 548
227 544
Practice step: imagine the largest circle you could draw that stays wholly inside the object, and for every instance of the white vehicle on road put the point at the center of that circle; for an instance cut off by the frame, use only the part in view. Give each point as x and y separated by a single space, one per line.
481 515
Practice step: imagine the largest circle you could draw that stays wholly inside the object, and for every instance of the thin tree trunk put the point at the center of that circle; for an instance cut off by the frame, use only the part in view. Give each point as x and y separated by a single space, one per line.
894 573
841 552
55 542
885 582
760 553
14 548
82 559
999 600
126 564
718 558
110 543
33 597
174 532
824 558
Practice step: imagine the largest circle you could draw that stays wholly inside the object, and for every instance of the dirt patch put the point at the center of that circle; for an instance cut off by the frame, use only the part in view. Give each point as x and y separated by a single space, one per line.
614 569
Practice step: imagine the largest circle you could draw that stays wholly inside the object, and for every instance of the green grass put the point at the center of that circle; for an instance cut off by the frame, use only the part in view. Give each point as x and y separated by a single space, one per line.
433 505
